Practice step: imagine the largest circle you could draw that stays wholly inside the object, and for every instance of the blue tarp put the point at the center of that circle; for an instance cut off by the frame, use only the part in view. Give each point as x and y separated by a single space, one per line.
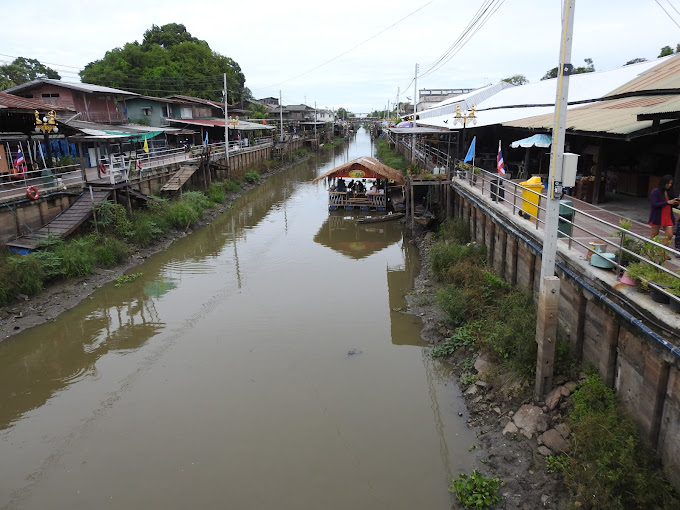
540 140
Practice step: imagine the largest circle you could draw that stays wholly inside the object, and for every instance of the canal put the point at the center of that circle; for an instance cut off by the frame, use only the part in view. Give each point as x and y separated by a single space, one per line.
261 362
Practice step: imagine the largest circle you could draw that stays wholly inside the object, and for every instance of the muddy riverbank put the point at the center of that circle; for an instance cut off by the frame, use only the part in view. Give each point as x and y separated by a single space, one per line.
501 451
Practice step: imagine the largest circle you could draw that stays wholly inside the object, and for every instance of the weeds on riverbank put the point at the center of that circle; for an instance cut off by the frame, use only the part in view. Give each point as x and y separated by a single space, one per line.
391 158
606 466
112 237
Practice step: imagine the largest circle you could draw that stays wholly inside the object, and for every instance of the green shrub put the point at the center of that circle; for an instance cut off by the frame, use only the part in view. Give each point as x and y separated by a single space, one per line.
251 176
77 258
509 329
391 158
197 200
231 186
112 218
476 490
607 466
455 230
23 274
181 215
464 336
146 228
110 251
217 193
443 255
454 301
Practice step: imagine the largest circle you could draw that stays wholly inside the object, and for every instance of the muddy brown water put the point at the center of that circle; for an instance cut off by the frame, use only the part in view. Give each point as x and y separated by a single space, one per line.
260 362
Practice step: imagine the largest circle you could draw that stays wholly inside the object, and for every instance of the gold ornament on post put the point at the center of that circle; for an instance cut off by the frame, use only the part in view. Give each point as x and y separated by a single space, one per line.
48 124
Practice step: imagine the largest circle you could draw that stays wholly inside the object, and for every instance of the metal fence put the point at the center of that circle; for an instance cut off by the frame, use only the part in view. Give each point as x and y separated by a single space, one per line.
578 229
40 181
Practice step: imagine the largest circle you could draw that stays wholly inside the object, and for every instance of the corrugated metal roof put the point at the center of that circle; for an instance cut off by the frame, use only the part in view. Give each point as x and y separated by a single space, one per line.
618 117
664 75
465 101
241 126
83 87
21 103
200 100
535 99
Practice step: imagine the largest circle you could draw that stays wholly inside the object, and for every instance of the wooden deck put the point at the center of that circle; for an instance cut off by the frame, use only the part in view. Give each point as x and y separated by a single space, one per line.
365 202
62 225
180 178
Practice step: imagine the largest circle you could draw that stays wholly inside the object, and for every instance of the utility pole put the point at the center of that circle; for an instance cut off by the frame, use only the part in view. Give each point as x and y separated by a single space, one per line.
549 294
226 124
415 102
315 120
398 101
281 114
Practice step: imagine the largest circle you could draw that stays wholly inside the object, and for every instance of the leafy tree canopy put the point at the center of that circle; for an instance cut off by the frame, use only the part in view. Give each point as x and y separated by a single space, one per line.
635 61
517 79
22 70
257 111
168 61
665 51
341 113
588 68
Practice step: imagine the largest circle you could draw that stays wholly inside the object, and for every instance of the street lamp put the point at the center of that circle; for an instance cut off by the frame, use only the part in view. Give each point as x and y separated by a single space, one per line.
463 119
47 125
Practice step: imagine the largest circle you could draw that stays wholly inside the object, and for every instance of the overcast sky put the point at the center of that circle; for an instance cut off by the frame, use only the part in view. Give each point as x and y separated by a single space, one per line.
353 53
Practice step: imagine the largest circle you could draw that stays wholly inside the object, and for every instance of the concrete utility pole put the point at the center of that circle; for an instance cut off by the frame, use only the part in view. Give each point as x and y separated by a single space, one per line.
415 102
281 114
549 294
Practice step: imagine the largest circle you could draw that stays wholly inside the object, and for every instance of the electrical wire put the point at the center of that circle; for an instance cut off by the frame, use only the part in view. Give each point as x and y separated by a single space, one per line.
350 49
667 13
479 20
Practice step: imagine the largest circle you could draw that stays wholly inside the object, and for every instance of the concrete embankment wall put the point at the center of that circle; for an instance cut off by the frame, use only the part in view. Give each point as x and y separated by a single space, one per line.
598 319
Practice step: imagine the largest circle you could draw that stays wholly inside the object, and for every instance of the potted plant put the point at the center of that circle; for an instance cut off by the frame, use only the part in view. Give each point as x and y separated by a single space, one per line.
462 170
473 177
627 244
674 290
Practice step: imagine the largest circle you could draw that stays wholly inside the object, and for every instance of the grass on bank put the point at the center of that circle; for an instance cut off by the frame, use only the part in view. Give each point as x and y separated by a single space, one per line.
607 465
110 240
391 158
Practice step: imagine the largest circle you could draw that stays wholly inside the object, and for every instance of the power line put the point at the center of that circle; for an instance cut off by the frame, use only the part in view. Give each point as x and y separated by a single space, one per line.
667 13
351 49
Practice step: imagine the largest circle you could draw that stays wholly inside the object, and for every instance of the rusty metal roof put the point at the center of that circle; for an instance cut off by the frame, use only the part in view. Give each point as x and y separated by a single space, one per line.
664 76
616 117
21 103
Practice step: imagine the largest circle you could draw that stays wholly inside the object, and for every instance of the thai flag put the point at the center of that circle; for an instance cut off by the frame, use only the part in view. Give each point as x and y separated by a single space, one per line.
500 165
20 163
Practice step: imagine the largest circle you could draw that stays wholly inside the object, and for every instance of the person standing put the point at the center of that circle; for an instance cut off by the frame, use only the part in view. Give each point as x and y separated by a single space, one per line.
661 213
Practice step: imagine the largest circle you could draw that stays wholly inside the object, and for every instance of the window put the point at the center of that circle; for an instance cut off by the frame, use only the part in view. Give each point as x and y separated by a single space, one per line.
146 110
50 95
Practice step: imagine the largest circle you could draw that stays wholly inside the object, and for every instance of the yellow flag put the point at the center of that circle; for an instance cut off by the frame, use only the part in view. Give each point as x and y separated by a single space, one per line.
146 145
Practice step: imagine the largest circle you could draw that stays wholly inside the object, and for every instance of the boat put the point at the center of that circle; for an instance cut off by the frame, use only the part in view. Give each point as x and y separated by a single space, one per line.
366 170
384 217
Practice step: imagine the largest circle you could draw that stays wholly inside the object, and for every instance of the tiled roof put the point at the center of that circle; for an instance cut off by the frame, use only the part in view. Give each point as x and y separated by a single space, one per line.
21 103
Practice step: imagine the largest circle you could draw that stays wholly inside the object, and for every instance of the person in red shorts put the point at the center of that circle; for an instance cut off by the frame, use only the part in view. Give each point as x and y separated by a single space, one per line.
661 214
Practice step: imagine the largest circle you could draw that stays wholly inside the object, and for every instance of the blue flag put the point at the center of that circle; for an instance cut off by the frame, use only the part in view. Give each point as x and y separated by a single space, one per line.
471 151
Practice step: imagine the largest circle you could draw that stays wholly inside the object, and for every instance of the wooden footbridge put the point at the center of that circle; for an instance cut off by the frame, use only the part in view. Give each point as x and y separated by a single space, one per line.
180 178
64 224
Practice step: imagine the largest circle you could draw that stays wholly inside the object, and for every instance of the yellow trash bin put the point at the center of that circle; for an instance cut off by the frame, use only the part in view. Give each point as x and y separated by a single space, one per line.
530 198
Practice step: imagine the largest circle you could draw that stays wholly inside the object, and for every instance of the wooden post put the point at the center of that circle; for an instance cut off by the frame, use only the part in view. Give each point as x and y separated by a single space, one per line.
413 212
546 334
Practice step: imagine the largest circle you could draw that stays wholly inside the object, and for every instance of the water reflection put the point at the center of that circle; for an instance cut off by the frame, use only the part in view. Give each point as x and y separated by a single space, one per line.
342 233
65 350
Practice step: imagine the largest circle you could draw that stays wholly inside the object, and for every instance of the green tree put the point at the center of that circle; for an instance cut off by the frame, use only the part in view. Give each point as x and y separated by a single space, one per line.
517 79
257 111
341 113
665 51
22 70
168 61
588 68
635 61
